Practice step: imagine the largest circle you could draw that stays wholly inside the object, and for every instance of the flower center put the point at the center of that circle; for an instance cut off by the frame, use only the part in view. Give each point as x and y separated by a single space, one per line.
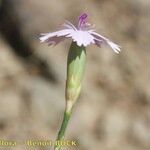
82 20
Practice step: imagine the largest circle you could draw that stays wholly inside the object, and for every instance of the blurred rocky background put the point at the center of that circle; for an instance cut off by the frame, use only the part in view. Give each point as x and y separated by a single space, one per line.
113 111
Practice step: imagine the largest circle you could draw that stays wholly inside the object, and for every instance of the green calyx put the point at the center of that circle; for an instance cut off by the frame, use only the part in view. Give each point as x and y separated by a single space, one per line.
75 71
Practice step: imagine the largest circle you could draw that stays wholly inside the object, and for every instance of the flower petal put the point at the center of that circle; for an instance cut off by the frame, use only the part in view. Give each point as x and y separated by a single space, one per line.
99 39
82 38
55 37
114 46
69 24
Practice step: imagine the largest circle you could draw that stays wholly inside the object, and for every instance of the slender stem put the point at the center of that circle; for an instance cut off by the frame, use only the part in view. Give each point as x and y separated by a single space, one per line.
60 137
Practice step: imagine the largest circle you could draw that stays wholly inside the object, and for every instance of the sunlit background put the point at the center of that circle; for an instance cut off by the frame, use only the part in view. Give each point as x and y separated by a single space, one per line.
113 111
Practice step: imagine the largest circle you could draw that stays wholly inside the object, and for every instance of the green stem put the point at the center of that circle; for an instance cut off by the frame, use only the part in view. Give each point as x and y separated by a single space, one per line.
60 137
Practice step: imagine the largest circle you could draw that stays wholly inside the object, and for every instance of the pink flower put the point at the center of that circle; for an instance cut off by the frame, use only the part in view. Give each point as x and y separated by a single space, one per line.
83 34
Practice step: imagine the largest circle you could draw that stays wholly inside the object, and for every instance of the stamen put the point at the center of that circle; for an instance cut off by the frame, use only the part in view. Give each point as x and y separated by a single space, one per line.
82 20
